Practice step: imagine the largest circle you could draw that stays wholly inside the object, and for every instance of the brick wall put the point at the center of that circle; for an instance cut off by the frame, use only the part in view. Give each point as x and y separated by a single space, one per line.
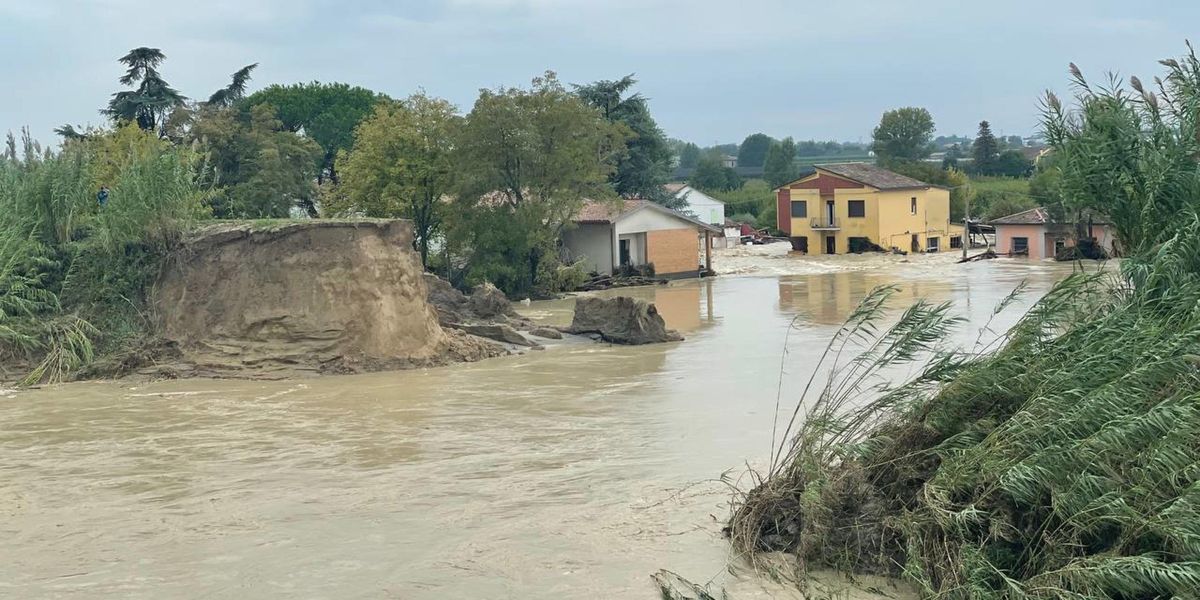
673 251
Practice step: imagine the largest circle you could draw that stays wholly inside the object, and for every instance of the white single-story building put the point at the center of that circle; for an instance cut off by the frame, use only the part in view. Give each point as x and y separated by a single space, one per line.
608 235
705 207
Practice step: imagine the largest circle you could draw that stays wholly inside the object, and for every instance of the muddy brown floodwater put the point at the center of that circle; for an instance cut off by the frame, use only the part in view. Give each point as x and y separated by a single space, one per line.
571 473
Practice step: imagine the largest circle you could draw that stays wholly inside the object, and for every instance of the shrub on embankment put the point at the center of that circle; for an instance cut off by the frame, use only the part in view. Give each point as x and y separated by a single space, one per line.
74 274
1062 460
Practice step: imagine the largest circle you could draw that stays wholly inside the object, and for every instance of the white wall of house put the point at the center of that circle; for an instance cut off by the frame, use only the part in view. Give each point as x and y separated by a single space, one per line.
637 248
598 244
649 219
704 207
595 243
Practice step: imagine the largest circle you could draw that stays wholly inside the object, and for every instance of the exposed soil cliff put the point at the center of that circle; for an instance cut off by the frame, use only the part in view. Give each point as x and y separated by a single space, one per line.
245 300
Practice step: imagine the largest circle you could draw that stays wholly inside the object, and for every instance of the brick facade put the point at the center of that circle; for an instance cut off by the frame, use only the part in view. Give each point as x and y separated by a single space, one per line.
673 251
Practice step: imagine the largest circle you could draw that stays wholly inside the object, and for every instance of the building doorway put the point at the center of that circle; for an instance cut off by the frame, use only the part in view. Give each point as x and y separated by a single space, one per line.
916 243
830 245
830 213
625 258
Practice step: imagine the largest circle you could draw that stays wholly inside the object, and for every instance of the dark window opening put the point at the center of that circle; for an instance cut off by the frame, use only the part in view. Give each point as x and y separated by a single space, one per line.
1020 245
933 244
912 206
800 244
858 245
799 209
857 208
956 241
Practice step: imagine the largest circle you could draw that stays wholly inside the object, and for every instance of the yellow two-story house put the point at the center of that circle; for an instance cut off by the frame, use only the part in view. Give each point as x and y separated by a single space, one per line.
854 207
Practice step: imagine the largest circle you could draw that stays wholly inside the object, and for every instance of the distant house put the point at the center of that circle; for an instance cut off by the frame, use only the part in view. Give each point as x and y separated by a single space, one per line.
728 161
1035 233
701 205
608 235
848 207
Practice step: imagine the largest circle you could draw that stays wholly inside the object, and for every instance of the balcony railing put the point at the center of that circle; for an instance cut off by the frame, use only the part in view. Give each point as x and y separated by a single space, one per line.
826 223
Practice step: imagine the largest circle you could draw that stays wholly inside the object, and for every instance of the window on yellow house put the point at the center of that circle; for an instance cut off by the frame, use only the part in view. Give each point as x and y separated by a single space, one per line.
799 209
912 205
857 208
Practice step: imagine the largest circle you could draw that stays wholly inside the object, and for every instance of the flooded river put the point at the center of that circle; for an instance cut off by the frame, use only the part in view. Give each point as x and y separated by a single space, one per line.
570 473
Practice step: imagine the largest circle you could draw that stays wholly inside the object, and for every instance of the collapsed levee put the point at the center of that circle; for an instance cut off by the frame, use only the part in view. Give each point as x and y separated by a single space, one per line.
244 300
1063 462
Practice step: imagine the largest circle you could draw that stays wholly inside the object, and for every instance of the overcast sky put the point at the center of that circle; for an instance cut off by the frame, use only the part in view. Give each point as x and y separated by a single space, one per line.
714 70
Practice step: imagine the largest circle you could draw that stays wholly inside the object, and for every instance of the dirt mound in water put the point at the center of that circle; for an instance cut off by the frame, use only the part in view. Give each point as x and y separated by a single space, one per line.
621 320
304 297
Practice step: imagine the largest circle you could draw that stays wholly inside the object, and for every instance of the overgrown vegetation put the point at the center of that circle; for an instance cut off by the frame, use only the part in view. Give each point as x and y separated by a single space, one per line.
1061 460
74 273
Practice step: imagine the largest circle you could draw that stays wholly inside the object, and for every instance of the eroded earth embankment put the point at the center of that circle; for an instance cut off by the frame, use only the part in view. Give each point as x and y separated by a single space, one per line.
244 300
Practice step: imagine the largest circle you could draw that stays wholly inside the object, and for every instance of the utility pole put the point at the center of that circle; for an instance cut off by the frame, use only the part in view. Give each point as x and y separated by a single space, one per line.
966 238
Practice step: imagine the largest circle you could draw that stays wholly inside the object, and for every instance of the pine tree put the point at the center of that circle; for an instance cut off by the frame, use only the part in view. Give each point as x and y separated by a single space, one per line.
986 150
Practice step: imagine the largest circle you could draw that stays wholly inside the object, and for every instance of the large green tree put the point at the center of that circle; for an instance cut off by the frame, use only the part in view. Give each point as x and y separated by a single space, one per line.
646 164
753 150
401 166
711 175
689 154
327 113
262 169
903 134
526 159
780 166
985 151
152 97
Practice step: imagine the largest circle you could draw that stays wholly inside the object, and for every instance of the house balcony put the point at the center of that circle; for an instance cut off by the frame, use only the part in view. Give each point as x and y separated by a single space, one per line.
826 224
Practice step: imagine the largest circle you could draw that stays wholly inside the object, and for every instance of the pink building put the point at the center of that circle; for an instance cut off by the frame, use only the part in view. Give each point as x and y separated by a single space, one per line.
1033 233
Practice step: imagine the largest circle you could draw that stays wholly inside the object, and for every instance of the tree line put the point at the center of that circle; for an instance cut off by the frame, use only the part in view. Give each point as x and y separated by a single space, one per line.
489 190
86 227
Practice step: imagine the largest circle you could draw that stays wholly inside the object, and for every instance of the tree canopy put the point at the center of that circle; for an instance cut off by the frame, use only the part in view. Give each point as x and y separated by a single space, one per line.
401 166
236 90
689 154
712 175
903 134
753 150
262 170
780 166
985 150
152 99
327 113
646 163
526 160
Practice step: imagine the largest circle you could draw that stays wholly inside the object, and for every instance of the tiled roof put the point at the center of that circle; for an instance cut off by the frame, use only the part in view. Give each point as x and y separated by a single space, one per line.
876 177
1033 216
605 212
1041 216
674 188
